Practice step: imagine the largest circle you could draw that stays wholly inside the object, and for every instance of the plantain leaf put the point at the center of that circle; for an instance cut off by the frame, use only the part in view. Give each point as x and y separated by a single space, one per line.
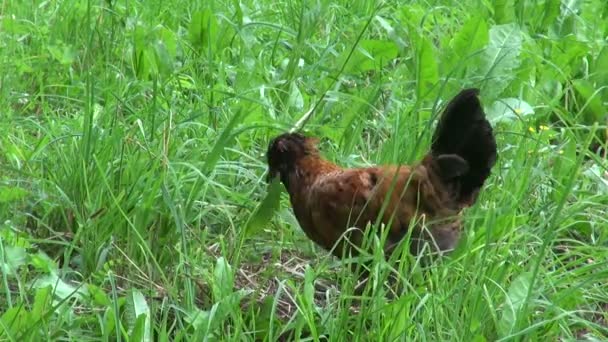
500 59
14 258
504 11
472 37
224 139
371 54
266 209
591 106
516 296
600 68
137 313
42 302
224 279
509 109
61 289
10 194
203 30
428 70
551 12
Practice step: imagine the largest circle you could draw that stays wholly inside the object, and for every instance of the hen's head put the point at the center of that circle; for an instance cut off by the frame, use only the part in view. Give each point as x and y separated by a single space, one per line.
285 150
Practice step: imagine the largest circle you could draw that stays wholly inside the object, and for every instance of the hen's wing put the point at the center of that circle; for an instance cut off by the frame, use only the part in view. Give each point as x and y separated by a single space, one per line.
330 205
349 198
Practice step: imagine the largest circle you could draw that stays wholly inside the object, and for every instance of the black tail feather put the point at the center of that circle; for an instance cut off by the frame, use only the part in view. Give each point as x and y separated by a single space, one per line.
463 130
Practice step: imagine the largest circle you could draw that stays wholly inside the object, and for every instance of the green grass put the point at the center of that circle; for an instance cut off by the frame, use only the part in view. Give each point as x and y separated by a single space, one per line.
132 167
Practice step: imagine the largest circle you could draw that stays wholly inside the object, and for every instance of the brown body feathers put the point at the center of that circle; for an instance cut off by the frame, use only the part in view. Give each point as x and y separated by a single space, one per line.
426 197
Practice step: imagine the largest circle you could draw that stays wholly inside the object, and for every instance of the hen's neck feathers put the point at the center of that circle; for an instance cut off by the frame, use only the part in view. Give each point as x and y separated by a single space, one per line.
307 170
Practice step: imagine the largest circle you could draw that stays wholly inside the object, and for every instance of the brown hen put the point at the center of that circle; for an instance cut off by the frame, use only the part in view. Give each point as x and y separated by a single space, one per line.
425 199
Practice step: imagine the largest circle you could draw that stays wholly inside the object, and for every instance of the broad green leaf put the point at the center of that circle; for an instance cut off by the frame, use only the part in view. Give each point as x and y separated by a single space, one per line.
309 286
305 297
142 312
599 74
138 316
551 12
14 258
352 123
596 174
42 301
140 53
566 55
13 25
296 100
224 279
504 12
206 322
369 55
202 31
427 69
479 338
61 289
42 262
385 24
516 296
509 109
552 88
140 331
99 296
591 106
265 210
10 194
566 22
473 36
200 319
14 321
265 318
592 20
169 40
162 58
63 54
220 144
500 59
109 319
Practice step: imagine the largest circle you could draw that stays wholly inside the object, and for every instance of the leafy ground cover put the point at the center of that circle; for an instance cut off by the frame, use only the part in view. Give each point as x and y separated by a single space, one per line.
132 197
